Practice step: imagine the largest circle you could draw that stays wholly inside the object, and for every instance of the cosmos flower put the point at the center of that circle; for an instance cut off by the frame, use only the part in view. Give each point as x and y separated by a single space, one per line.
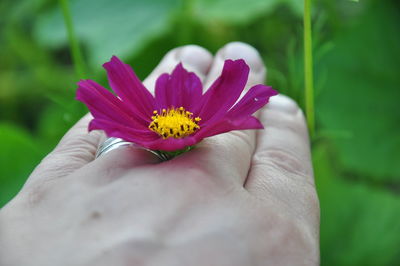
179 115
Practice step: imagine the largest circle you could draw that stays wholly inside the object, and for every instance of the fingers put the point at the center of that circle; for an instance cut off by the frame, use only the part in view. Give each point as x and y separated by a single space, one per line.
281 166
228 155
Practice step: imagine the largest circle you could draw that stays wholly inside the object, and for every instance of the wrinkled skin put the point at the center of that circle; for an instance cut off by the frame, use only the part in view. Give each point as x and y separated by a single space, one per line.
240 198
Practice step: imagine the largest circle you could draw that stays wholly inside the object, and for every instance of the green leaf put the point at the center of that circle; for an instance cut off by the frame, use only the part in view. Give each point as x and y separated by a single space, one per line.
120 27
362 93
359 224
238 11
54 121
19 155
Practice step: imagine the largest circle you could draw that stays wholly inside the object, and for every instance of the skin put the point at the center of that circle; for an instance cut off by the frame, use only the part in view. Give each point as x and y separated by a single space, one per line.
240 198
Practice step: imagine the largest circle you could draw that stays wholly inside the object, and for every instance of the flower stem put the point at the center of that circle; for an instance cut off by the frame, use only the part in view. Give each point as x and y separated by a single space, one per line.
168 155
308 68
73 41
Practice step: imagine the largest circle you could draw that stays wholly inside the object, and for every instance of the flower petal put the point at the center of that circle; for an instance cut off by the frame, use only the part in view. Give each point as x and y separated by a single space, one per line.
129 88
104 105
255 98
219 127
144 138
224 92
161 92
239 117
181 88
170 144
118 130
128 115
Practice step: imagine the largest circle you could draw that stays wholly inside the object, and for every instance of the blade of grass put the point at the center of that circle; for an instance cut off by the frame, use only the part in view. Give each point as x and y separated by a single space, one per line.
308 68
77 58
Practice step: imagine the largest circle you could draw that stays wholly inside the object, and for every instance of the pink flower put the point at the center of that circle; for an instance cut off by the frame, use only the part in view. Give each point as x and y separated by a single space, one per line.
179 115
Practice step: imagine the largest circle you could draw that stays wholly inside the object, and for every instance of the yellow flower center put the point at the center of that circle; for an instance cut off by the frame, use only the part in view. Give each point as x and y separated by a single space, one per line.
175 123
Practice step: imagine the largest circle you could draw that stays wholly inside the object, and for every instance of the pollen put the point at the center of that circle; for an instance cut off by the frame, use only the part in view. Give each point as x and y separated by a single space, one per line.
174 123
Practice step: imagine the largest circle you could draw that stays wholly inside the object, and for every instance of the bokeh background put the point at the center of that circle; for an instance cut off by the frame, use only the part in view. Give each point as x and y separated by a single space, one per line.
356 148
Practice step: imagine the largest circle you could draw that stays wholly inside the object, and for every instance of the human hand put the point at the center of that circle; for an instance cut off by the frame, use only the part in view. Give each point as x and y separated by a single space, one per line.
240 198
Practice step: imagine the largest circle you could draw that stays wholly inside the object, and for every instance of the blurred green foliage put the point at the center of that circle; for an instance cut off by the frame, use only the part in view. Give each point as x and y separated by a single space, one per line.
356 46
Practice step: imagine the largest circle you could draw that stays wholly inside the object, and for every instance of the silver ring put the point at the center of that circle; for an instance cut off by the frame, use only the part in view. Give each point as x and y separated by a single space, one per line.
114 143
111 144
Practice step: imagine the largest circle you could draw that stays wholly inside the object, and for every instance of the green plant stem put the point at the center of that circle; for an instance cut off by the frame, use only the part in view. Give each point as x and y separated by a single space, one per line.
308 68
77 58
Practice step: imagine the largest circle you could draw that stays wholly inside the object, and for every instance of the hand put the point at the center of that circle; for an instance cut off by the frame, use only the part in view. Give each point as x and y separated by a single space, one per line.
240 198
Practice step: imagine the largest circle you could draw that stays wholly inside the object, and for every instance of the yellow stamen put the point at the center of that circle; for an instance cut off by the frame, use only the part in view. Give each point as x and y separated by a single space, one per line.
174 122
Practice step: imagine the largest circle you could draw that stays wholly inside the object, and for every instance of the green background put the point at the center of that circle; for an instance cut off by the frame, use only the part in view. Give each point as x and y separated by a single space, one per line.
356 149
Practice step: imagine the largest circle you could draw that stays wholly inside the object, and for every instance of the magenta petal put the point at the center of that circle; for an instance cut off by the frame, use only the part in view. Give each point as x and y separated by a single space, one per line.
224 92
144 138
170 144
239 117
104 105
219 127
255 98
129 114
129 88
161 92
181 88
118 130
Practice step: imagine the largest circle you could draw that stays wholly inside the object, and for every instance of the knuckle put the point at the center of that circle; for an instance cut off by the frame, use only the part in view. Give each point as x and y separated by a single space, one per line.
284 103
56 165
81 146
242 139
282 159
288 100
195 58
196 50
237 50
80 140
